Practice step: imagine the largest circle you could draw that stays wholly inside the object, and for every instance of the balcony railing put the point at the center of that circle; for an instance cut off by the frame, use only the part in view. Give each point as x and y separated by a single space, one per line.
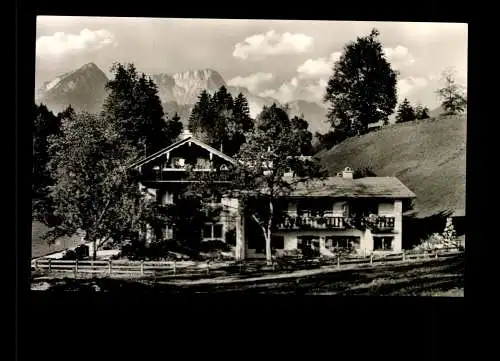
181 175
384 223
311 222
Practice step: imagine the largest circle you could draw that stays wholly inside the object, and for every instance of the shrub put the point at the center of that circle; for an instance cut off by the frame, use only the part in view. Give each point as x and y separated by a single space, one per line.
433 242
157 250
80 252
309 252
214 246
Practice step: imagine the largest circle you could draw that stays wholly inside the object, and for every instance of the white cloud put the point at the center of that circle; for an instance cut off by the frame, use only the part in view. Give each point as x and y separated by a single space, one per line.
400 55
251 82
272 43
321 67
60 43
410 84
298 88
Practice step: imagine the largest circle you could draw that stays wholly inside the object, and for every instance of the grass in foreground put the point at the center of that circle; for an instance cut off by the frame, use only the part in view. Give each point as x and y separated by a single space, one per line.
442 277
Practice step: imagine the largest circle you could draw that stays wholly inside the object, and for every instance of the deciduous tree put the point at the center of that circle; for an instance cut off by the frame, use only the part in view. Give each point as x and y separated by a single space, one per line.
454 100
94 190
362 88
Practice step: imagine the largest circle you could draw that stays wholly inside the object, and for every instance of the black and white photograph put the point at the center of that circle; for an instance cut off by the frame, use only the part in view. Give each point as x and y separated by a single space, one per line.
218 156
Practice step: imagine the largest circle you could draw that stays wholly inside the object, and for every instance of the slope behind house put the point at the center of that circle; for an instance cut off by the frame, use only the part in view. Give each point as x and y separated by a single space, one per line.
428 156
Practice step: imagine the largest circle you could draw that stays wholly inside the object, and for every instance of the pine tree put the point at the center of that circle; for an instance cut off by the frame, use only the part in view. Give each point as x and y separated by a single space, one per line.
45 124
241 113
405 112
67 114
421 112
134 108
173 128
201 114
362 88
237 125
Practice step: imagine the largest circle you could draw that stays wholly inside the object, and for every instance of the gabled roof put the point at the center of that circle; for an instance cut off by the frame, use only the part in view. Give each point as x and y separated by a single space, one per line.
189 139
368 187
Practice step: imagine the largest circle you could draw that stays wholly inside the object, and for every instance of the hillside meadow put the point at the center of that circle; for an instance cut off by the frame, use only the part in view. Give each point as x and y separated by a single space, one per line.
428 156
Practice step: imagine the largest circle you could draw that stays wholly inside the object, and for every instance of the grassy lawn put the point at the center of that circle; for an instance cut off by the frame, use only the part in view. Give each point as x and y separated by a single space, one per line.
441 277
39 247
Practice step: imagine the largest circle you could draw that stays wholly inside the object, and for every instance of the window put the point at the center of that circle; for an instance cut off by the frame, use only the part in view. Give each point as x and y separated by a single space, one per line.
308 242
382 243
342 242
213 231
217 231
207 231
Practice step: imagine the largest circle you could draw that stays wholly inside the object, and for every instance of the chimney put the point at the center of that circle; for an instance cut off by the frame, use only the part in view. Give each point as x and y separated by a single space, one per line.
347 173
186 133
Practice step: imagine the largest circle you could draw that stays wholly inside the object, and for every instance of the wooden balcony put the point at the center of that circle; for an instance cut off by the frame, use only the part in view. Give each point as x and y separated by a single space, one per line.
311 222
180 175
384 224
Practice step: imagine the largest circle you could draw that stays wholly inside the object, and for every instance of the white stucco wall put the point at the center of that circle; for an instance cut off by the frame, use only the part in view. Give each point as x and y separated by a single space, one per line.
397 244
386 209
290 242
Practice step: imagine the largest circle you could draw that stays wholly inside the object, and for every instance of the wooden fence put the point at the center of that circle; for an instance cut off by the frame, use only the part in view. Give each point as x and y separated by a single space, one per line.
124 267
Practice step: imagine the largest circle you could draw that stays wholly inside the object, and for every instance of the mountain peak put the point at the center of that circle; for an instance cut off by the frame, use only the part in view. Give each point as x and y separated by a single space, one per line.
206 74
90 65
83 88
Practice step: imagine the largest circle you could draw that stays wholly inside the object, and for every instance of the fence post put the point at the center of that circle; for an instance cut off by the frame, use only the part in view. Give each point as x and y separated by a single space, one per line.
436 255
50 264
338 261
142 267
404 255
109 267
208 266
36 263
76 266
371 258
175 267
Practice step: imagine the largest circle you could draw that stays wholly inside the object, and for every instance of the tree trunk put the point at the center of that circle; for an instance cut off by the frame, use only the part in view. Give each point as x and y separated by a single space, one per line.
94 250
268 233
240 232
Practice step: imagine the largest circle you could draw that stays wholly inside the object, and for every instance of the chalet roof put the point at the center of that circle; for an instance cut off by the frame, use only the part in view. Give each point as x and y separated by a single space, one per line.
177 144
367 187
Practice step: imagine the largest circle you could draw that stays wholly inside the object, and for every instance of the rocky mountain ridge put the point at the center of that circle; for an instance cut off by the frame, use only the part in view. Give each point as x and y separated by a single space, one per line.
84 89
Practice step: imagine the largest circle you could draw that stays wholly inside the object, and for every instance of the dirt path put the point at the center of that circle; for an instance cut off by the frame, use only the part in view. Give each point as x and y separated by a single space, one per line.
281 276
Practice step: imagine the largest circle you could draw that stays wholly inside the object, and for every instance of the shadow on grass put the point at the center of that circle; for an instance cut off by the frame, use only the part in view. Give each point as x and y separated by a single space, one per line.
405 279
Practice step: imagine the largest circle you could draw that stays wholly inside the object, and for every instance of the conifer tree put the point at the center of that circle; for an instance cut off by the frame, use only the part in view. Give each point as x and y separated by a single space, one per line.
405 112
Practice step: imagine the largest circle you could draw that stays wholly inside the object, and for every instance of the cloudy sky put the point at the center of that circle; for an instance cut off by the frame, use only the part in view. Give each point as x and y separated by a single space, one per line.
281 58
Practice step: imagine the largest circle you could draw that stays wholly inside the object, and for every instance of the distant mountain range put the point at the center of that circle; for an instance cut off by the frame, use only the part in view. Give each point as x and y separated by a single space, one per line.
84 89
